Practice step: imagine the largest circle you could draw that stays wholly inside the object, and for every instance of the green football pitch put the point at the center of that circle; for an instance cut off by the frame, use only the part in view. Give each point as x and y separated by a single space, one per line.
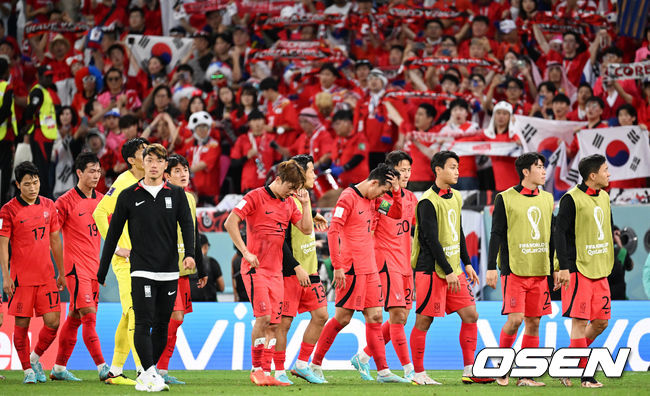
341 383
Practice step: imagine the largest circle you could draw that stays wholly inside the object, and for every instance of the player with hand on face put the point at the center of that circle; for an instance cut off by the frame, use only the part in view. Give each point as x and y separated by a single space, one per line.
393 258
303 291
520 242
178 174
442 285
268 211
357 281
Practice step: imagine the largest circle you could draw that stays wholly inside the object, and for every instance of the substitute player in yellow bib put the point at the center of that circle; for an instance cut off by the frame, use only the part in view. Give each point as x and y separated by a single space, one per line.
585 250
132 154
520 243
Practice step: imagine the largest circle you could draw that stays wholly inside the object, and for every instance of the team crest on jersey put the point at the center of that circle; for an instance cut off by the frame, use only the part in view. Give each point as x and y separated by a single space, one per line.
168 202
87 298
46 215
110 191
362 146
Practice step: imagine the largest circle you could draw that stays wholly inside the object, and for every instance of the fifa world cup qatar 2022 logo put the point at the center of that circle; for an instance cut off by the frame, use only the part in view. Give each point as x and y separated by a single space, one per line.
534 216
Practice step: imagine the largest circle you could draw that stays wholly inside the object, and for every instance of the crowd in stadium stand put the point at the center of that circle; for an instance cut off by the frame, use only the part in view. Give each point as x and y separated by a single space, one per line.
345 81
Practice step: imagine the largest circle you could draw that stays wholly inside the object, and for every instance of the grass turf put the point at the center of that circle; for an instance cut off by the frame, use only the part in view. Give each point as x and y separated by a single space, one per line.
340 383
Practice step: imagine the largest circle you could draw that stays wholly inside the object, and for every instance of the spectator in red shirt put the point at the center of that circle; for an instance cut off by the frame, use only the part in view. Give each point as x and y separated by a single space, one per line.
203 157
361 72
500 129
371 117
281 117
315 141
247 102
614 93
136 23
253 152
480 27
327 76
460 128
96 144
350 158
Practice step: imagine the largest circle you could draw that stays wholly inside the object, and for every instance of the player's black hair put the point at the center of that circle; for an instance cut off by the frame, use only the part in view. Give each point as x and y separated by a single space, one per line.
517 81
381 173
345 115
84 159
596 99
175 160
429 109
613 50
395 157
127 121
526 161
25 168
482 18
561 98
440 158
136 9
589 165
303 160
130 147
269 83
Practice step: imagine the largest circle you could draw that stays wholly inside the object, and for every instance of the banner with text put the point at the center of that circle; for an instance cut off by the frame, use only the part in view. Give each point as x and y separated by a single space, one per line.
216 336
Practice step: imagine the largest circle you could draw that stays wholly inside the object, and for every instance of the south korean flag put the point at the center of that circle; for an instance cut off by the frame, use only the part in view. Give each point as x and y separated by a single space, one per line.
626 148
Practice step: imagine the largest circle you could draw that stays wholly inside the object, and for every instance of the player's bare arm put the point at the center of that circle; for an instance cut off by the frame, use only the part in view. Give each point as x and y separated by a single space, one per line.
232 226
305 225
7 284
57 251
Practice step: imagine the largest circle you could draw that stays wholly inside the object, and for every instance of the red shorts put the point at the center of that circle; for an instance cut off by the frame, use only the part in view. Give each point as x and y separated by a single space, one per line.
434 299
265 294
361 292
298 299
586 298
28 300
84 293
525 294
397 289
184 297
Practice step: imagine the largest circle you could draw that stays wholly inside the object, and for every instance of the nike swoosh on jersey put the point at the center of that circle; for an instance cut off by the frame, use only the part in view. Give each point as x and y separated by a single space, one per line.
139 203
81 214
171 293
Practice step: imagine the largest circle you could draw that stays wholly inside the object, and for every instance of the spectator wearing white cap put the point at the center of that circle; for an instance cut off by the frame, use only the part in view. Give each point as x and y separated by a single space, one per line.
500 129
371 118
203 157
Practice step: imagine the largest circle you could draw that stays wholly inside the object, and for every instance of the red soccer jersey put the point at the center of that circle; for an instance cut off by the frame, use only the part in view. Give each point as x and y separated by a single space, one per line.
267 218
81 240
316 145
346 149
350 235
393 236
253 175
28 228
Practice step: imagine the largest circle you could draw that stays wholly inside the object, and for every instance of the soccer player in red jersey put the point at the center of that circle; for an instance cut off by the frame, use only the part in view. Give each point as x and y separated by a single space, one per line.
356 278
267 212
81 261
437 251
393 257
30 223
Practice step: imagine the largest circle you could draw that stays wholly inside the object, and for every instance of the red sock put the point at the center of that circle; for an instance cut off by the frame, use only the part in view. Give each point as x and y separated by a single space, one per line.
267 357
376 344
256 355
21 343
163 361
529 341
467 338
507 340
45 339
67 340
91 339
399 343
579 343
385 332
589 341
418 341
278 358
305 351
330 331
